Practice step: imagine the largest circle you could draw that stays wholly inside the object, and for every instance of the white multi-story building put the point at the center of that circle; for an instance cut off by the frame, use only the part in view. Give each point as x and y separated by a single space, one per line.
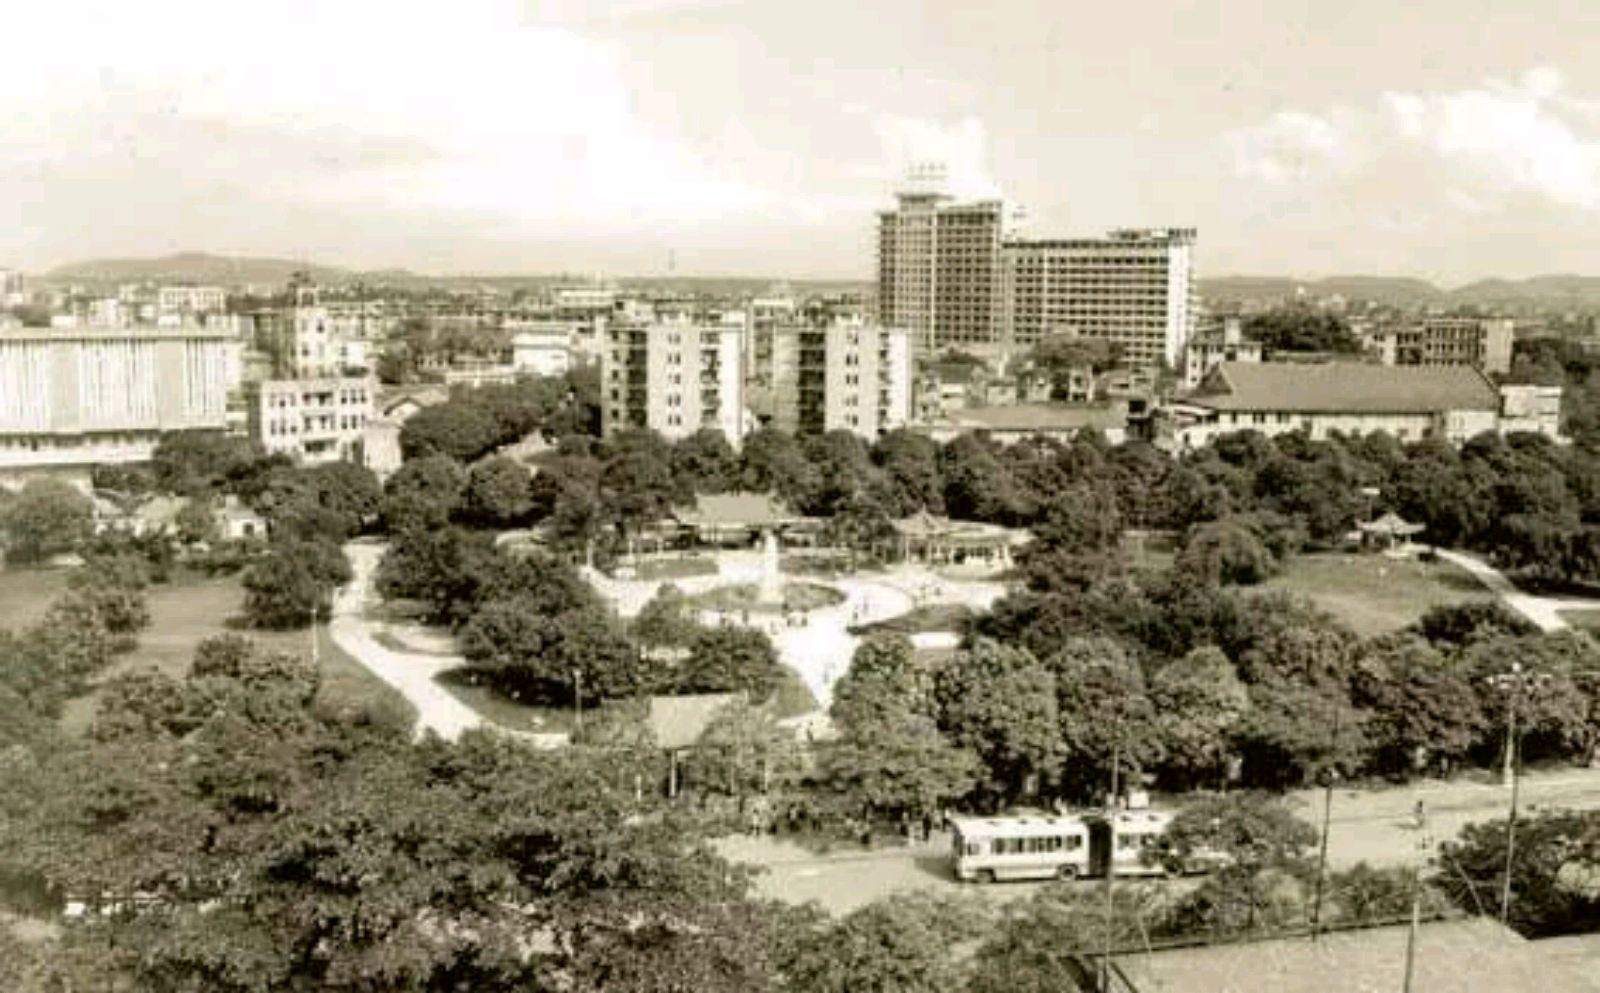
191 301
543 348
312 420
81 397
1215 345
1481 342
845 375
674 377
1134 288
326 341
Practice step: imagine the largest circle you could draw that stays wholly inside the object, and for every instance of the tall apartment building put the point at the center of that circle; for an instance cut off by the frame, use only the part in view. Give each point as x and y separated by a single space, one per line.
843 375
311 420
1483 343
81 397
324 342
674 377
939 267
1134 288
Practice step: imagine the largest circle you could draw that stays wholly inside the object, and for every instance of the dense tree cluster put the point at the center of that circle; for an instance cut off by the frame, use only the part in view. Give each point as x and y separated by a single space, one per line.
46 517
474 422
1301 329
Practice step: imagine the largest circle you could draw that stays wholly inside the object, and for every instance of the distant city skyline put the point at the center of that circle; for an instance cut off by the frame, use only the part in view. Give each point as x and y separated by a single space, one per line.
1446 141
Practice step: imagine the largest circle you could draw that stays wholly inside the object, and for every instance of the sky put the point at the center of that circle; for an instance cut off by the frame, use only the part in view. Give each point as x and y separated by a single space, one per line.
1446 139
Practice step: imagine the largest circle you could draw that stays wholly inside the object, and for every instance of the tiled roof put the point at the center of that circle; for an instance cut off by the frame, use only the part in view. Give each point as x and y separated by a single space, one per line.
735 509
1465 956
1038 417
1340 387
678 721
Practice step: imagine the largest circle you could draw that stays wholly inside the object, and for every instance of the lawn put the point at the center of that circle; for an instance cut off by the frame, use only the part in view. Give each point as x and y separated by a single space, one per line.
932 617
499 709
190 609
1582 619
1375 594
25 594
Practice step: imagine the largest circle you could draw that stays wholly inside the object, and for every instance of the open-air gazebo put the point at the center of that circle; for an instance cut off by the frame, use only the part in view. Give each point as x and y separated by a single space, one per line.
939 541
739 518
1389 530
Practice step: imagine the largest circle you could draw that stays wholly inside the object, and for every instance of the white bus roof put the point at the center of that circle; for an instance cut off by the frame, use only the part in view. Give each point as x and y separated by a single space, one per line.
1017 827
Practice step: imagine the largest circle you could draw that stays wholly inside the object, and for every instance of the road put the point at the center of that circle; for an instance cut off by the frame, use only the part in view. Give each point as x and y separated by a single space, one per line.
411 673
1372 826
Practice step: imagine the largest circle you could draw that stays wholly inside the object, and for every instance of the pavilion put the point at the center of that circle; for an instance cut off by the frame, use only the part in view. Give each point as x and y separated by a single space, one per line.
1388 529
739 518
939 541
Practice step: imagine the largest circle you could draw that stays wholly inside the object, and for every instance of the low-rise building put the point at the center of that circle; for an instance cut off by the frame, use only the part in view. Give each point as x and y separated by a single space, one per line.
312 420
1481 342
1010 424
1214 345
541 348
1535 409
1409 402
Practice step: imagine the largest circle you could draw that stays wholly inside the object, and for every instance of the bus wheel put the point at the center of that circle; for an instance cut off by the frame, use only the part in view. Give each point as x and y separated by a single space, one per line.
986 876
1067 873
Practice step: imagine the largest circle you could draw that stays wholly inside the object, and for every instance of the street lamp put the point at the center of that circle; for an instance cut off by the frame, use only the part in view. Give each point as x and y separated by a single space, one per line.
1514 684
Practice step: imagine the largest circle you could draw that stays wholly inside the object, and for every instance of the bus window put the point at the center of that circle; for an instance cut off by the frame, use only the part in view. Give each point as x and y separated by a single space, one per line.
1074 843
974 846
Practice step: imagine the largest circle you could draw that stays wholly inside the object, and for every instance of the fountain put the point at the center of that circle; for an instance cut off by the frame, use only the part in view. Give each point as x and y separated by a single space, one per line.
770 590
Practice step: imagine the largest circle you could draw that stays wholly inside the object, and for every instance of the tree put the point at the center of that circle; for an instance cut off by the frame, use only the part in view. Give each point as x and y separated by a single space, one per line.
232 657
773 462
196 522
977 486
1001 703
743 750
901 944
499 491
910 463
111 590
46 518
293 583
1107 722
1084 518
1036 945
458 429
1452 626
729 659
1228 552
666 620
1300 329
1198 701
1555 871
424 493
198 461
535 656
1264 851
1423 707
704 462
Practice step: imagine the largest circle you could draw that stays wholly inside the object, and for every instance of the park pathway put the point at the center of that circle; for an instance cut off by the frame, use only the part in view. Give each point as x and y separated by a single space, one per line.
413 674
1543 612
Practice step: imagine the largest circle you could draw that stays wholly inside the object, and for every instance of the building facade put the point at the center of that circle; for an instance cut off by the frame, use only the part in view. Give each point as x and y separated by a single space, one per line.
84 397
541 348
312 420
845 375
1134 288
191 301
1483 343
673 377
939 268
1215 345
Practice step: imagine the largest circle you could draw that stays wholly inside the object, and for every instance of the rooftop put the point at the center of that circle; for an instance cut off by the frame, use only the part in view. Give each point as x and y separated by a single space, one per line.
736 510
1345 387
1038 417
678 721
1463 956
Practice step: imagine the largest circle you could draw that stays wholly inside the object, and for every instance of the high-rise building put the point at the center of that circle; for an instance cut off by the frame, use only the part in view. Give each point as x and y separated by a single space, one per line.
81 397
938 269
674 377
1134 288
1483 343
845 374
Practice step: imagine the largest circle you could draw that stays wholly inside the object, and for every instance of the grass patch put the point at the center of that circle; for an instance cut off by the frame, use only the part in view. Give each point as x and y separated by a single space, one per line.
1375 594
792 697
190 609
746 596
933 617
674 568
1582 618
25 594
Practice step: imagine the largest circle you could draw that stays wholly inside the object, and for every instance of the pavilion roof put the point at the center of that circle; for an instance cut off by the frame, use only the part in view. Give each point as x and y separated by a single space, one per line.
752 510
1391 524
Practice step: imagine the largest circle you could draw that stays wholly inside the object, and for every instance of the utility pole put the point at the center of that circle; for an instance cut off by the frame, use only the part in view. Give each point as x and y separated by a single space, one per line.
1332 775
1514 684
1111 854
577 689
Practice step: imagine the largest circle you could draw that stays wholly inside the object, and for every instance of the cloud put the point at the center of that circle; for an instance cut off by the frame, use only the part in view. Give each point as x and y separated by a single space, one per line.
470 106
1475 149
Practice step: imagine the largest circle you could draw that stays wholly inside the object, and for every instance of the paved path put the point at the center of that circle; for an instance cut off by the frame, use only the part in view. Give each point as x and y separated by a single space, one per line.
411 673
1542 611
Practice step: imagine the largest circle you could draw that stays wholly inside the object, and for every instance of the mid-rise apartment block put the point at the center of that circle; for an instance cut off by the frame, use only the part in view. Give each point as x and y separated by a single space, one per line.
81 397
673 377
1480 342
311 420
1134 288
1214 345
939 269
844 375
191 301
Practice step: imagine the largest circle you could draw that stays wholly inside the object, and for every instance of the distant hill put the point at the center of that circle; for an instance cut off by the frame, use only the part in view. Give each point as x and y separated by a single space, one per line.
194 267
225 270
1397 290
1571 290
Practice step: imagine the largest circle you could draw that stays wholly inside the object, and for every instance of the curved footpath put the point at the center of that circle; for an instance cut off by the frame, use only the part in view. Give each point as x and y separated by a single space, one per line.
412 674
1542 611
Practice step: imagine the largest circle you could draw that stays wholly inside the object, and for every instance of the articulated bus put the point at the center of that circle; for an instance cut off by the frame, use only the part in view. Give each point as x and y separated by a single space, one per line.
1064 847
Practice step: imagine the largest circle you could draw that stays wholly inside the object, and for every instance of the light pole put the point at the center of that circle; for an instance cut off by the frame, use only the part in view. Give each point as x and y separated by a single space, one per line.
577 690
1332 775
1514 684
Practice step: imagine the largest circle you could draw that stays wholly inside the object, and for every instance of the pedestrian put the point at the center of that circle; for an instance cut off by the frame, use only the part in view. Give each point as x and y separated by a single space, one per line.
1421 814
927 826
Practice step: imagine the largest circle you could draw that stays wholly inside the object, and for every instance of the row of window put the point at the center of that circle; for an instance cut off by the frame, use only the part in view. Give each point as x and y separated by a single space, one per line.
1034 846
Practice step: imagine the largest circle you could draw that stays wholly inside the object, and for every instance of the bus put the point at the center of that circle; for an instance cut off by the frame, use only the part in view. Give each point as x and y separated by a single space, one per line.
1119 843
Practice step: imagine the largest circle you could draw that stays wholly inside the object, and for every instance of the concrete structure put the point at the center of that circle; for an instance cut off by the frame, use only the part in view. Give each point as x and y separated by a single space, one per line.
1215 345
1017 422
939 266
324 342
1410 403
191 301
85 397
312 420
1536 409
674 377
541 348
13 288
846 375
1481 342
1134 288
